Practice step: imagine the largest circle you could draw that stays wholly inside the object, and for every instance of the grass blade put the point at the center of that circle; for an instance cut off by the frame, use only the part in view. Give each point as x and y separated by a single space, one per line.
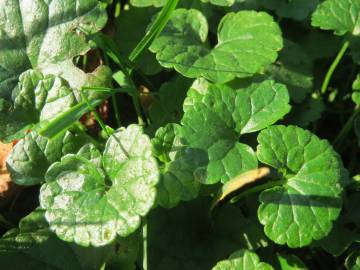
155 29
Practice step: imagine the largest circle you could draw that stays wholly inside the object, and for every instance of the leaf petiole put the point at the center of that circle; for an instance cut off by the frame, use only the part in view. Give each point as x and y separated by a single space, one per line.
145 244
257 189
338 141
333 66
110 48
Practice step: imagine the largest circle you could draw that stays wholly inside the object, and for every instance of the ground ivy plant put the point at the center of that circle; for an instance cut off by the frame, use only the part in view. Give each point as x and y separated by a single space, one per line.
167 134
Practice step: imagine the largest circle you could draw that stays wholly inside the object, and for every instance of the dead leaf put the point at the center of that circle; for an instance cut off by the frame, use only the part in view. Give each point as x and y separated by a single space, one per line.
7 187
238 182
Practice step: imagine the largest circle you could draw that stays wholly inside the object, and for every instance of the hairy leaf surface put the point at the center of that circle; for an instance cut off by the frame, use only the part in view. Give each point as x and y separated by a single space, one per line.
36 98
178 181
89 205
341 16
304 207
242 260
34 246
32 156
215 116
38 34
248 41
184 237
294 9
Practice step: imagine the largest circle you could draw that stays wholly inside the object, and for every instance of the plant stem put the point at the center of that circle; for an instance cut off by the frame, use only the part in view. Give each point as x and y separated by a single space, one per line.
145 246
256 189
117 9
111 49
333 66
116 109
338 141
84 62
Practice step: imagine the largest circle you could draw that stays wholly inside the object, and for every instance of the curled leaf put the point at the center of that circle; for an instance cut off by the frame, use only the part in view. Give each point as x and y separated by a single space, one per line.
239 182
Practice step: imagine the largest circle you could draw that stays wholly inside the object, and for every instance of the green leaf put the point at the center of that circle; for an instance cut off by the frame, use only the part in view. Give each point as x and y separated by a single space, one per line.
185 238
352 262
164 141
304 207
33 246
309 111
44 36
241 260
154 29
338 240
220 2
248 41
127 254
215 116
294 68
80 205
131 26
90 152
168 108
147 3
290 262
227 159
356 90
36 98
160 3
319 44
341 16
294 9
32 156
177 182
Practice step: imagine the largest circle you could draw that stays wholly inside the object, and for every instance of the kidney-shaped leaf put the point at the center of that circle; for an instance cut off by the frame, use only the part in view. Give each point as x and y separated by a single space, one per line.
185 238
33 246
294 9
248 41
352 262
342 16
304 207
218 115
220 2
177 182
39 34
35 98
290 262
90 206
242 260
31 157
159 3
147 3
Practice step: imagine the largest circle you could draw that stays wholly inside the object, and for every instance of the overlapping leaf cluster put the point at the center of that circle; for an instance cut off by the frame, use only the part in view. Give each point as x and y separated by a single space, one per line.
226 87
